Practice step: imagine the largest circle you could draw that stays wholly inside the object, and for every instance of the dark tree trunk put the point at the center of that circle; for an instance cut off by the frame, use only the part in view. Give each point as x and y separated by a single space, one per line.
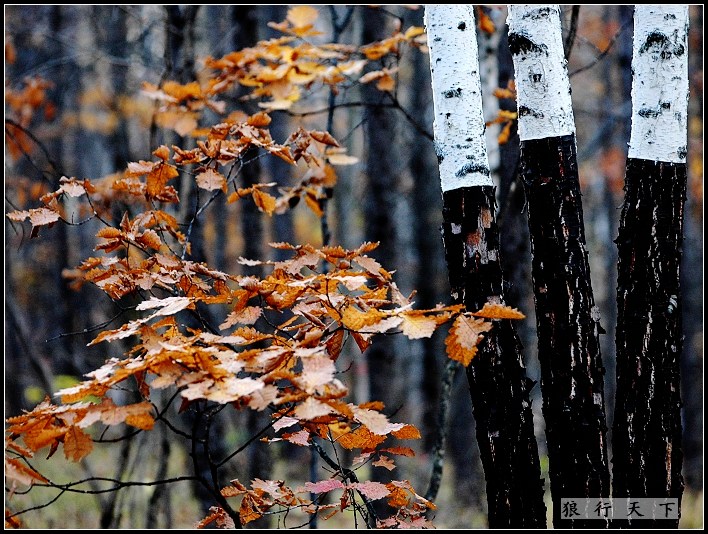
647 429
568 325
379 205
497 378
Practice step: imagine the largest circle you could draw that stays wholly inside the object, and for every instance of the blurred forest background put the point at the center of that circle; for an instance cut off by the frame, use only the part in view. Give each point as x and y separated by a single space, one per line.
96 120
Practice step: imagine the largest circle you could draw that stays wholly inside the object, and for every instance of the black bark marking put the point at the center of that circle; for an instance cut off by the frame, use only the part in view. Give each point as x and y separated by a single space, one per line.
647 426
461 26
469 168
523 111
568 344
498 384
451 93
682 152
661 43
521 43
649 113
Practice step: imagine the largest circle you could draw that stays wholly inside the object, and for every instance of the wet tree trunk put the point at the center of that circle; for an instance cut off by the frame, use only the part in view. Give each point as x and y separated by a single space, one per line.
566 316
647 429
497 378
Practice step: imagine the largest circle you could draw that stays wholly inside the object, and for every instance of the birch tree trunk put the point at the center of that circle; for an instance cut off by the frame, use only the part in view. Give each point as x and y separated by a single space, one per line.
497 378
647 428
566 317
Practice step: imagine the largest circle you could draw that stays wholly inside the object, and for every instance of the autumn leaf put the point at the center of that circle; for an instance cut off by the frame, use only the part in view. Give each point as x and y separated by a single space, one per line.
485 22
18 472
211 180
406 432
168 305
77 444
372 490
465 334
301 438
264 201
323 486
416 326
302 16
311 408
498 311
386 462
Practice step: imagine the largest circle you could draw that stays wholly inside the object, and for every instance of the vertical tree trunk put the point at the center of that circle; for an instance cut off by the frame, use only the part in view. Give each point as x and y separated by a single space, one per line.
498 383
566 316
647 429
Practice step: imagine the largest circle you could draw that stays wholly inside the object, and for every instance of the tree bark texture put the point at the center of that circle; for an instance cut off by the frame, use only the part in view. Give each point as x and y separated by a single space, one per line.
647 430
568 325
498 384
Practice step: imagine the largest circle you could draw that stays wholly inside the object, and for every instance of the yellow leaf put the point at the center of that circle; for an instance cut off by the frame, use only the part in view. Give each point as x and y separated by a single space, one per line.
211 180
355 319
77 444
302 16
498 311
465 334
414 31
417 326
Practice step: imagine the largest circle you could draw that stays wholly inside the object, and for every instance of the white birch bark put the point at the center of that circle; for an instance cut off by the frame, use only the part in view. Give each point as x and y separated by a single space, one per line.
542 85
457 97
660 83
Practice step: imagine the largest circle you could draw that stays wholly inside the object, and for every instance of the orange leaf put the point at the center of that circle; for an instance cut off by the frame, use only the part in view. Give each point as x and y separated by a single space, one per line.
143 421
77 444
162 152
407 432
485 22
465 334
498 311
264 201
249 509
259 120
158 178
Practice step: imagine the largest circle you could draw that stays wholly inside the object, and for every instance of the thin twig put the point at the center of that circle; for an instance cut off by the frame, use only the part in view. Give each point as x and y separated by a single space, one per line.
570 40
604 52
439 448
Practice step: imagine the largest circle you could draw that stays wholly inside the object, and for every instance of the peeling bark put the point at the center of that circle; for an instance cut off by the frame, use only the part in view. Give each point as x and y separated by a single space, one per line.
497 377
